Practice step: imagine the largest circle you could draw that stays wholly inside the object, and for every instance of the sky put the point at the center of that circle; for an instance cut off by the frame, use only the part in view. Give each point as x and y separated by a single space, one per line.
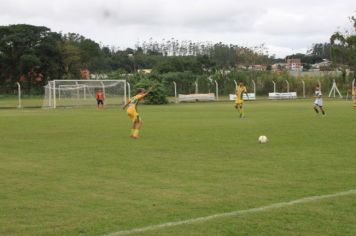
283 26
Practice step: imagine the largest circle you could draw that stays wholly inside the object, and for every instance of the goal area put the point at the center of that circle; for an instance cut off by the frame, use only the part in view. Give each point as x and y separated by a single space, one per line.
77 93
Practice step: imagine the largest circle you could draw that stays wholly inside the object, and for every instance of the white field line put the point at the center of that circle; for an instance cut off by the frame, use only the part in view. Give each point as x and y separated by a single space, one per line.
233 213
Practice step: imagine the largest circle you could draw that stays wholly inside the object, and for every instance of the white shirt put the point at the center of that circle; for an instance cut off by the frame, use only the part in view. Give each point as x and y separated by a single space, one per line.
318 100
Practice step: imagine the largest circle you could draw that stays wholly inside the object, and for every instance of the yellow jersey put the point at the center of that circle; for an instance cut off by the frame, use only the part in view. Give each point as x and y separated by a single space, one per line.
132 107
134 101
239 93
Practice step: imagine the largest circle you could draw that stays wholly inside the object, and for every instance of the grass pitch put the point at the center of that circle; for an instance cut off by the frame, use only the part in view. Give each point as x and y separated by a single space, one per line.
77 172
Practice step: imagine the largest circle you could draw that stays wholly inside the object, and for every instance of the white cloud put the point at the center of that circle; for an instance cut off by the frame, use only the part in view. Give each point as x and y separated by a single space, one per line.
283 25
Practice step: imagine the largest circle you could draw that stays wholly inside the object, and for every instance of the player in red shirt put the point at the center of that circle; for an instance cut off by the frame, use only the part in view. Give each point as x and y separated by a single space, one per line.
100 96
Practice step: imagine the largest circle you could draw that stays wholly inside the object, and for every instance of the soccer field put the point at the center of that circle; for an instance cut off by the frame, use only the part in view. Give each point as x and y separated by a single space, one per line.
77 172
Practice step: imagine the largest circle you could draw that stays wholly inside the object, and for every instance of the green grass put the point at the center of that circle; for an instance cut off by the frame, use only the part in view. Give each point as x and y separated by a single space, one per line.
12 101
77 172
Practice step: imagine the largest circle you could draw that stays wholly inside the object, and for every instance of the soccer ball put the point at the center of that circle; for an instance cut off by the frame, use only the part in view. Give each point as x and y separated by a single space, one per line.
262 139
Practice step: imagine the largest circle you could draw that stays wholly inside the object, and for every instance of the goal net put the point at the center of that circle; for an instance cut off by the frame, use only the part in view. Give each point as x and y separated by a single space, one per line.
72 93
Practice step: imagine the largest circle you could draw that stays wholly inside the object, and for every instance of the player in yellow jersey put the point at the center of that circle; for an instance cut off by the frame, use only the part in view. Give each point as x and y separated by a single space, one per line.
240 90
132 111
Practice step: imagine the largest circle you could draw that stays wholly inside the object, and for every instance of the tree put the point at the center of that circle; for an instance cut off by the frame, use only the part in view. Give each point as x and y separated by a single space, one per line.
321 50
22 49
306 59
71 60
157 95
344 47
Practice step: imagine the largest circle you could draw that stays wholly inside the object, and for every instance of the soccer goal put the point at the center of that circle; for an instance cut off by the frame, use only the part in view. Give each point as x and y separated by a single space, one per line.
75 93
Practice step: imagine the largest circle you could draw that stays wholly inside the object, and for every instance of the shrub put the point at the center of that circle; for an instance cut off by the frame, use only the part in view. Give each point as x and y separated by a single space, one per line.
158 93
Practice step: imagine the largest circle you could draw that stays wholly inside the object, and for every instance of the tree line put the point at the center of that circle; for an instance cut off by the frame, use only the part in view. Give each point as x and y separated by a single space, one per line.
33 55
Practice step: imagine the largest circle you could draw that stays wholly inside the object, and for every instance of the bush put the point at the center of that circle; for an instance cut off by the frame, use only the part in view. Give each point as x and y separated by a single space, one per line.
158 93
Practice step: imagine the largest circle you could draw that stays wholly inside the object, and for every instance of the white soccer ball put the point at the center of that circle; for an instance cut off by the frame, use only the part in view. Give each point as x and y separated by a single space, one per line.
262 139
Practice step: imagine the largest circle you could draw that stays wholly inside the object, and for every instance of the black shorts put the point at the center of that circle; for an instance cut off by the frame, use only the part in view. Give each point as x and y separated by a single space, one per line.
100 102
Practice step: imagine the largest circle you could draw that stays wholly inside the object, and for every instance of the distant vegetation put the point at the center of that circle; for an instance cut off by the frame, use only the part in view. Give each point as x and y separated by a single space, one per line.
32 55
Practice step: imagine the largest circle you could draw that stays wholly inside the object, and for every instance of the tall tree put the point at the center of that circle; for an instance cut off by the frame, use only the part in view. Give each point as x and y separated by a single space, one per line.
22 48
344 47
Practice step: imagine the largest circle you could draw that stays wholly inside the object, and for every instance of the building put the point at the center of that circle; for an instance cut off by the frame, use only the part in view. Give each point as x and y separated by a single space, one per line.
278 66
321 65
294 64
98 76
144 71
259 67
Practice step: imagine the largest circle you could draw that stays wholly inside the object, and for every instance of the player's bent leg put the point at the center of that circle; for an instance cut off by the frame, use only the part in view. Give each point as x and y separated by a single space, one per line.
316 109
322 110
134 133
240 109
237 106
133 117
242 114
137 126
132 130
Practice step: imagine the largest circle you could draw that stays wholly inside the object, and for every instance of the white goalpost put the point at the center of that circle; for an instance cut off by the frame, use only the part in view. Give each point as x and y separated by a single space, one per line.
75 93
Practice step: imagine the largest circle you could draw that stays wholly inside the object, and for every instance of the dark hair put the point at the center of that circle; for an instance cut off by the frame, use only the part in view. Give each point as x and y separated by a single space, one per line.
141 90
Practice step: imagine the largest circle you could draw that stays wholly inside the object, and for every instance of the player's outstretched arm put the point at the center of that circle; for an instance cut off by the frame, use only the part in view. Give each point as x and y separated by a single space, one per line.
125 105
148 91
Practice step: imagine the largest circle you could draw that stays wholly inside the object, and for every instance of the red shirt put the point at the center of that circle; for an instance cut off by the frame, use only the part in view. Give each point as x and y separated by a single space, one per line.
100 95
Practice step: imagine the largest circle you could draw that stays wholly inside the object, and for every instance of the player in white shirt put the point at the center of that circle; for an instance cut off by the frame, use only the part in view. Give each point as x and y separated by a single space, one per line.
318 103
